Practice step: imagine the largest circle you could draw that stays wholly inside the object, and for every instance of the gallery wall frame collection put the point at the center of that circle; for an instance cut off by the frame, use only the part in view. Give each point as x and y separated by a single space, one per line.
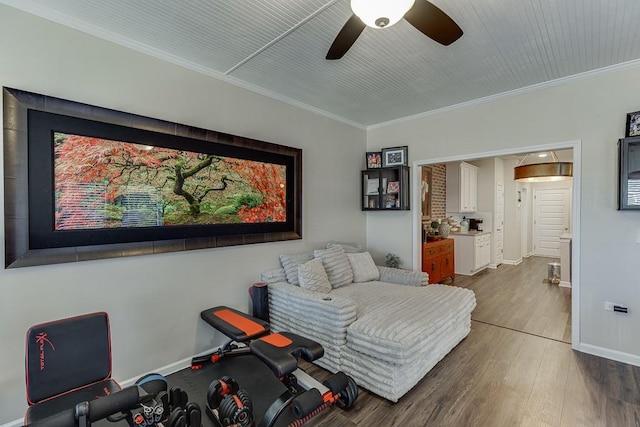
84 182
388 157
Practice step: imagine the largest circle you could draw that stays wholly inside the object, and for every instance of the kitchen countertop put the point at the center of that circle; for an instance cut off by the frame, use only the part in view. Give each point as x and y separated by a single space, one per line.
470 233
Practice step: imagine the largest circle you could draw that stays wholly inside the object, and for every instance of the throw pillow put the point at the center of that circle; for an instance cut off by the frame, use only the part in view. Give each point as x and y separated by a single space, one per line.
364 269
312 276
337 266
274 275
350 249
290 264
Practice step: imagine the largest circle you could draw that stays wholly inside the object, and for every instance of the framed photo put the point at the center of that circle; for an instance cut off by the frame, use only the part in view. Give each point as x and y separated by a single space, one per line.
633 124
84 182
394 156
374 159
393 187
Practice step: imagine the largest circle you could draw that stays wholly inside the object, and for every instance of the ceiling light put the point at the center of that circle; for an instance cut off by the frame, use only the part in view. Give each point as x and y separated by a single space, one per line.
542 155
541 172
380 13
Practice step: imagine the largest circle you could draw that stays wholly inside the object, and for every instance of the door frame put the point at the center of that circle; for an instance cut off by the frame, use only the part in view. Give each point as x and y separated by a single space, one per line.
494 239
575 145
524 222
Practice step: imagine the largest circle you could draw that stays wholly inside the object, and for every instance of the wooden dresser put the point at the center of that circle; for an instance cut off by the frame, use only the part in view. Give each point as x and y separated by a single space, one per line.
438 260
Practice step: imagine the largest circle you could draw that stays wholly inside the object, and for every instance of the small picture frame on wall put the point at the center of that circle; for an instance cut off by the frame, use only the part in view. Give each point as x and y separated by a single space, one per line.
374 159
394 156
633 124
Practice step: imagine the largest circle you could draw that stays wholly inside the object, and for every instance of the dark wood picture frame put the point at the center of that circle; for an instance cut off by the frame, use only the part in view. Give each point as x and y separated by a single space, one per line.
394 156
374 159
633 124
28 183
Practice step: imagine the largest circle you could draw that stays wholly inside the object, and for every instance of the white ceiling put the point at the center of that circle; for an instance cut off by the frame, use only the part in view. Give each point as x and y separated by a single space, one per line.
277 47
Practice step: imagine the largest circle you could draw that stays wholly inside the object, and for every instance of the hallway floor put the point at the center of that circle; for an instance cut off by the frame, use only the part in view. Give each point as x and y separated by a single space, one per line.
517 297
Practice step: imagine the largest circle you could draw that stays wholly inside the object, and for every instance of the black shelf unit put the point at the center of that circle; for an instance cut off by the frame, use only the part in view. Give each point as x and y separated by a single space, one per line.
385 189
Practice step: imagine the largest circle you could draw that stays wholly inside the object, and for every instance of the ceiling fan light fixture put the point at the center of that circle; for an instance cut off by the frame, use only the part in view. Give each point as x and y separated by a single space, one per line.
381 13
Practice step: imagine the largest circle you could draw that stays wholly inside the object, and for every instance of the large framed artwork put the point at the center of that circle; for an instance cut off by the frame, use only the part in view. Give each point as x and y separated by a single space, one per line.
84 182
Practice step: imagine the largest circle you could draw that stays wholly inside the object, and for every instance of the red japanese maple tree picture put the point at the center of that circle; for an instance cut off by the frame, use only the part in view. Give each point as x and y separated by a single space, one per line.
101 183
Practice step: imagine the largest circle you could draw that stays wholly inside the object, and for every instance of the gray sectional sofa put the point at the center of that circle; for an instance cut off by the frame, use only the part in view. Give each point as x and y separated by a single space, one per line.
386 330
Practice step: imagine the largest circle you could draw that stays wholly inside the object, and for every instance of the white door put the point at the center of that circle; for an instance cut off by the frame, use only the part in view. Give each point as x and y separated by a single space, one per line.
551 212
499 224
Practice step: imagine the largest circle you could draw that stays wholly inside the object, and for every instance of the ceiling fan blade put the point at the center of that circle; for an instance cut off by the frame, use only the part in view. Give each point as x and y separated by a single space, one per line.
433 22
346 38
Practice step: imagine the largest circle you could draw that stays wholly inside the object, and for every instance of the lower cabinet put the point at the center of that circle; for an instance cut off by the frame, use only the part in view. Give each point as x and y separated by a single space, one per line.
472 252
438 260
483 251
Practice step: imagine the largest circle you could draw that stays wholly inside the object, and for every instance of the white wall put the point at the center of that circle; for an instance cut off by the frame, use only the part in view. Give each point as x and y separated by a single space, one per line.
154 301
591 109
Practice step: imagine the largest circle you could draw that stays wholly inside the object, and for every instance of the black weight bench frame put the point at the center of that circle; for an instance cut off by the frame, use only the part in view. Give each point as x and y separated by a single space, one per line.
280 352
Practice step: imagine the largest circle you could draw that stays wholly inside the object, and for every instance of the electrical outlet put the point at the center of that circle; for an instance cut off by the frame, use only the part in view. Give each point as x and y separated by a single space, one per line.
618 308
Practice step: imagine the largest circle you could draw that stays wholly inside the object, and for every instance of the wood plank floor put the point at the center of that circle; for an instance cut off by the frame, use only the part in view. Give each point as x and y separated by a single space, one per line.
499 376
515 297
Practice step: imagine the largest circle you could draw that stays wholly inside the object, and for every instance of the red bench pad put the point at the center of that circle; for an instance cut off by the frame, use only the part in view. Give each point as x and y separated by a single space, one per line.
235 324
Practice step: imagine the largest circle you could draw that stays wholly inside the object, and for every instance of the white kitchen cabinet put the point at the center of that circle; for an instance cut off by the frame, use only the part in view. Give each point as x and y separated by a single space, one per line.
462 187
472 252
482 254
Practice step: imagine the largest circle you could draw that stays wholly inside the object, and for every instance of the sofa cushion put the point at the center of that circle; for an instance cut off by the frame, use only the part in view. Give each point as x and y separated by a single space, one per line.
363 267
311 276
337 266
290 264
397 322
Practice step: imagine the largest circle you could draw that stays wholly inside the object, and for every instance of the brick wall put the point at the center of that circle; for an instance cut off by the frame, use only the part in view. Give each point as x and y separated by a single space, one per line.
438 196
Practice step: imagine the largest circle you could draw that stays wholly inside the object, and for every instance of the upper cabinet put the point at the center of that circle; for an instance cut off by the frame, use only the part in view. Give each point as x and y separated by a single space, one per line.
462 187
385 189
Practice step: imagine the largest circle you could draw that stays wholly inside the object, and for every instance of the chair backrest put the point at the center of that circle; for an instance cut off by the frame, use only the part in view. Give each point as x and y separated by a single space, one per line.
67 354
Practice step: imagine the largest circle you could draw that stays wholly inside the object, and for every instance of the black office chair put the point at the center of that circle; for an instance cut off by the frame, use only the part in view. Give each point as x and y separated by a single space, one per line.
67 362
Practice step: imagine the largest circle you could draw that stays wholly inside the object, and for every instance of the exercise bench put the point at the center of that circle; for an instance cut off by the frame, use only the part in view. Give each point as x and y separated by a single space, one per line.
246 335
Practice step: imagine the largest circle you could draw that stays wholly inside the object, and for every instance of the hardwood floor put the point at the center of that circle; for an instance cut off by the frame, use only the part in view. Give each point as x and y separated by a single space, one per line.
499 376
515 297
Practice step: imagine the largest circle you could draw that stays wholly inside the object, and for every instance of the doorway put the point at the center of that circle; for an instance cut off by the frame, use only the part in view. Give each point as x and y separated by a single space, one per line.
575 213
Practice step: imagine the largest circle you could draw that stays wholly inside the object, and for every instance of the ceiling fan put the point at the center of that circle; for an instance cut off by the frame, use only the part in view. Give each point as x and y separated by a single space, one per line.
422 14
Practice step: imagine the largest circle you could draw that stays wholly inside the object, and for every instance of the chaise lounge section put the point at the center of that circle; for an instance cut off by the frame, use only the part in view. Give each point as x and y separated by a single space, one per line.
384 327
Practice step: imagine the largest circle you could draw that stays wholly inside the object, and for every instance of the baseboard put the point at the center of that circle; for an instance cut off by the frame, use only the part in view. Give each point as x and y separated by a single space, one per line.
165 370
618 356
511 262
564 284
